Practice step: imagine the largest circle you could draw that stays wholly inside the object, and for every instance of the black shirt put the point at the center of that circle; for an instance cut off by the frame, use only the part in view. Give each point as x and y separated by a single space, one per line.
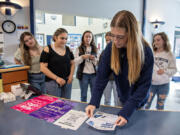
59 65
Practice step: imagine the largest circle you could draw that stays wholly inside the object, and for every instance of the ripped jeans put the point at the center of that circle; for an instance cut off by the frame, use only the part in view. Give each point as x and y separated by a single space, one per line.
162 92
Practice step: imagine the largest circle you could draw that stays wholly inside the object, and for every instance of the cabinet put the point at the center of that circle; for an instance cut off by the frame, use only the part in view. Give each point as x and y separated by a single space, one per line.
12 76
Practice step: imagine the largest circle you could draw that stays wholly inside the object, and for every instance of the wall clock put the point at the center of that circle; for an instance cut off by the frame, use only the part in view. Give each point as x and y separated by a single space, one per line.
8 26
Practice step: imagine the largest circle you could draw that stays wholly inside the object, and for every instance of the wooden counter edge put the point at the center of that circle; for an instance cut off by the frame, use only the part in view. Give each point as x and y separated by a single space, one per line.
14 69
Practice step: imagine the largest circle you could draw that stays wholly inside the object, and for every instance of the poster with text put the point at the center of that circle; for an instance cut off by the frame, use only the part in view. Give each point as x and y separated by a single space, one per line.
72 119
53 111
34 104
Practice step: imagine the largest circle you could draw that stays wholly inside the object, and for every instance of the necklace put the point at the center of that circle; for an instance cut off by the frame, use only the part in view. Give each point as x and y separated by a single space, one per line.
58 50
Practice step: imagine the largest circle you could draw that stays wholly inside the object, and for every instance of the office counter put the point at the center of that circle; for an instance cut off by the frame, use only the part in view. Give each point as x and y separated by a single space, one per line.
13 76
142 122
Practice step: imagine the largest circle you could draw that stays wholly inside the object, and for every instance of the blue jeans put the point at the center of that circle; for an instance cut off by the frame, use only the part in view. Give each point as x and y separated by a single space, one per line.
162 92
107 93
86 79
54 89
37 80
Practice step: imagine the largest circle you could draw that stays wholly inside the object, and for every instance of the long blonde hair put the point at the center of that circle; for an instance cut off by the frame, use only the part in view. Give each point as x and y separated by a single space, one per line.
25 54
135 45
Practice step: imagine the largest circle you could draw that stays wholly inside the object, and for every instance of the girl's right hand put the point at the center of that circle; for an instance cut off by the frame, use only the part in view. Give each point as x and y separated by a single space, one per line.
121 121
86 56
160 71
89 110
60 81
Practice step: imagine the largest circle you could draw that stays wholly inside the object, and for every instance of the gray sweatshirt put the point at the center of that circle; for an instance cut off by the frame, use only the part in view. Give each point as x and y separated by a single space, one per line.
167 62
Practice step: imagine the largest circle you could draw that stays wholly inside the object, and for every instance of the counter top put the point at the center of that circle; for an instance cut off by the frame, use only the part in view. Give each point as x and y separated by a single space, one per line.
143 122
14 69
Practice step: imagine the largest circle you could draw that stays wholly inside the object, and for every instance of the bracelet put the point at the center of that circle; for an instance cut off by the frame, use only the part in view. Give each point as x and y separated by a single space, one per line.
56 78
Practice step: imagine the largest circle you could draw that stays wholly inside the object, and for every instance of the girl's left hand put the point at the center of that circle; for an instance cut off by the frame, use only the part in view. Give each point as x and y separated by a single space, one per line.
70 79
121 121
160 71
92 57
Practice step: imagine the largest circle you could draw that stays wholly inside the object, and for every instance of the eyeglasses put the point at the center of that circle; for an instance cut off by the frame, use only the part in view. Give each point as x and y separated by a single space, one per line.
118 37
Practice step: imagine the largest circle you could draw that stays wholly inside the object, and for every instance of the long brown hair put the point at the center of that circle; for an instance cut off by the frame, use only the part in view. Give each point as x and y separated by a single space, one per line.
25 54
167 46
92 44
135 45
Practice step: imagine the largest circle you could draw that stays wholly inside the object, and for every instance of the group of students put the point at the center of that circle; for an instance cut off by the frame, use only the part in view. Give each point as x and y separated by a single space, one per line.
128 60
52 68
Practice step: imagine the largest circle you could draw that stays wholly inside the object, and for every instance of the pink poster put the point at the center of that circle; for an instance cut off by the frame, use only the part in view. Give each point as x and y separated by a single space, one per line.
34 104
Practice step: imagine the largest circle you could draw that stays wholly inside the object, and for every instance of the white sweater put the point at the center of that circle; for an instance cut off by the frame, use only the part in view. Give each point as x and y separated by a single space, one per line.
88 67
167 62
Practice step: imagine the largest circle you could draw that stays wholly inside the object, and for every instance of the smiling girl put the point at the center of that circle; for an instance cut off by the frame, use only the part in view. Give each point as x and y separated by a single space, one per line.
29 54
164 68
130 59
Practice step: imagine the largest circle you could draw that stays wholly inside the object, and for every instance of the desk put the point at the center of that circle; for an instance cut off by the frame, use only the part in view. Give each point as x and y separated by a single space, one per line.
142 122
12 76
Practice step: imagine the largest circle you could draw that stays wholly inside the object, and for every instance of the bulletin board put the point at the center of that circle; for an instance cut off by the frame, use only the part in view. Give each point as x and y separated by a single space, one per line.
74 40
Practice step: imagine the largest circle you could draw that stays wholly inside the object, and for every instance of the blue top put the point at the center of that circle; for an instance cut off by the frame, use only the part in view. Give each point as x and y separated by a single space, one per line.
133 96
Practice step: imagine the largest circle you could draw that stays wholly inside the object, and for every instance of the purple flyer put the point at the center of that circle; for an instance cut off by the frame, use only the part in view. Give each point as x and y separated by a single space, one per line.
53 111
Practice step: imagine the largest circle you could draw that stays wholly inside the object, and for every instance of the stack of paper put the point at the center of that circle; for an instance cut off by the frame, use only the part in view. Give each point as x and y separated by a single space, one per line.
102 121
72 119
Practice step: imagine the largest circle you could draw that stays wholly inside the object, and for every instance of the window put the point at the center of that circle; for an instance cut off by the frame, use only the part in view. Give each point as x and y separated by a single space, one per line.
90 21
40 17
40 39
68 20
177 44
